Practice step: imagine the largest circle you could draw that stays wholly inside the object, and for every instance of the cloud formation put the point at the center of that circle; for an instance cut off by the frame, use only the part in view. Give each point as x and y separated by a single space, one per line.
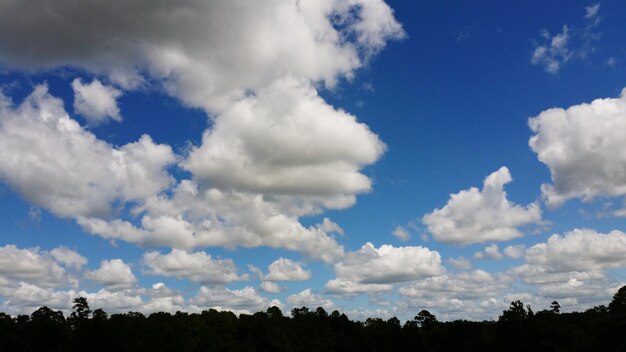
96 102
113 274
475 216
583 148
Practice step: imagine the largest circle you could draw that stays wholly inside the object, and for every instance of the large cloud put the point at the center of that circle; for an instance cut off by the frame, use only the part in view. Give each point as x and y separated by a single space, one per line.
30 265
474 216
584 146
194 217
286 140
372 269
57 164
208 53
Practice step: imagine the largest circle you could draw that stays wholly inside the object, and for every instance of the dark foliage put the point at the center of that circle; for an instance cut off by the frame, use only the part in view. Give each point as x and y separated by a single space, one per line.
518 329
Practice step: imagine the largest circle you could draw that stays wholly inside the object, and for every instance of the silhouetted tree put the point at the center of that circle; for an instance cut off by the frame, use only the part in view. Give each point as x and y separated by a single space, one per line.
555 307
618 304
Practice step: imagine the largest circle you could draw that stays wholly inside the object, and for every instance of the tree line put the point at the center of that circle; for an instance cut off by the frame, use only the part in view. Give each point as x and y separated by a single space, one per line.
519 328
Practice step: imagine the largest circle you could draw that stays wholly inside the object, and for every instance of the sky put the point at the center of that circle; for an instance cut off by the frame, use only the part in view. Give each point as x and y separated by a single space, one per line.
377 158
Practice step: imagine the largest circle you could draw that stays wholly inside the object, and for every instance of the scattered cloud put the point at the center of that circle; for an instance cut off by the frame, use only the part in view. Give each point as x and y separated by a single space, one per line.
68 257
401 233
96 102
53 162
582 146
30 265
307 298
475 216
460 263
490 252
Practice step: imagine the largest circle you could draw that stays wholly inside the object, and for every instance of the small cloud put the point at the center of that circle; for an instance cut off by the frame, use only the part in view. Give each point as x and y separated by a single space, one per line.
592 11
460 263
401 233
611 61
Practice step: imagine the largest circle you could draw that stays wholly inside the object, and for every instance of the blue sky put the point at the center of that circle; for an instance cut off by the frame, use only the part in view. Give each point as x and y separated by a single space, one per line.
375 158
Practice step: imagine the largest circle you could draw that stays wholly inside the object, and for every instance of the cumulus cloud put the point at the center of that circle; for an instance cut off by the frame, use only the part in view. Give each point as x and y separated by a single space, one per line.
286 140
197 267
474 216
460 263
114 274
372 269
30 265
286 270
53 162
580 250
306 298
96 102
207 53
68 257
197 217
490 252
476 294
271 287
583 148
516 251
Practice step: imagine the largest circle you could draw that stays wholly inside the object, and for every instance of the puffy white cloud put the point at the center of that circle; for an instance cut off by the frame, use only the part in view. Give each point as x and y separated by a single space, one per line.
584 148
200 217
56 164
286 140
30 265
246 299
208 53
113 301
113 274
96 102
307 298
580 250
490 252
385 265
197 267
516 251
68 257
271 287
286 270
401 233
474 216
27 297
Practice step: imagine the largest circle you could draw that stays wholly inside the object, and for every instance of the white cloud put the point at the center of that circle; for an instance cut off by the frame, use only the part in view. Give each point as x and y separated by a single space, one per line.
490 252
385 265
583 148
30 265
27 297
286 140
271 287
342 287
471 294
591 11
401 233
460 263
580 250
196 217
96 102
197 267
236 46
474 216
68 257
516 251
55 163
114 274
554 53
246 299
286 270
307 298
